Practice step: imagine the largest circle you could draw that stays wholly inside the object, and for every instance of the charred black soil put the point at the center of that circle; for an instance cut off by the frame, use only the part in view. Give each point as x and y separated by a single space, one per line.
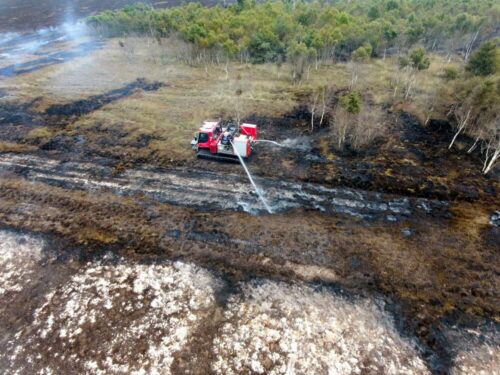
433 269
413 161
74 110
18 119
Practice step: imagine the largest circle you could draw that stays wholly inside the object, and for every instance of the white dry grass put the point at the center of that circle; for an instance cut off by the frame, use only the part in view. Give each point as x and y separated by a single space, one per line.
19 255
482 360
129 318
275 328
116 319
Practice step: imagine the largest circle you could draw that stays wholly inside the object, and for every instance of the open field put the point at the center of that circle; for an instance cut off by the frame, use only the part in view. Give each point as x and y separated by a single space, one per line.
120 252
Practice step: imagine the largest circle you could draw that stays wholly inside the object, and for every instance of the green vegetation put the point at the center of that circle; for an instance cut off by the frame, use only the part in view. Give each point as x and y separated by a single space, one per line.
416 59
351 102
419 60
450 73
486 60
274 30
363 53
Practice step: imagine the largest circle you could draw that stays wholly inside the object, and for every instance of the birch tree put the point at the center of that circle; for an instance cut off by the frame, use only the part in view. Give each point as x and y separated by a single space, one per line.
492 144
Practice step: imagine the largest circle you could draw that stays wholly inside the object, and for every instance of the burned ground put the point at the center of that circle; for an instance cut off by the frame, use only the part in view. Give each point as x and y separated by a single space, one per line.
417 270
404 165
49 59
406 221
17 120
81 107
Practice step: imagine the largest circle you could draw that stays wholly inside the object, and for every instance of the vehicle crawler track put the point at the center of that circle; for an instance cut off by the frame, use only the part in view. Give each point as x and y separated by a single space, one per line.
218 191
205 154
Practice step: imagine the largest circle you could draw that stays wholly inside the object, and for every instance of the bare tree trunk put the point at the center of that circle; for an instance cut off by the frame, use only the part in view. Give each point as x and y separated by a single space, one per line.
469 45
323 108
342 135
473 147
490 160
354 76
429 116
461 126
411 82
313 110
238 117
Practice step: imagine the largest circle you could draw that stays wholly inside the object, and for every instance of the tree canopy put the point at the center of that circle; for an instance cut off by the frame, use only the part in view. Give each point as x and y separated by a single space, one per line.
485 60
273 30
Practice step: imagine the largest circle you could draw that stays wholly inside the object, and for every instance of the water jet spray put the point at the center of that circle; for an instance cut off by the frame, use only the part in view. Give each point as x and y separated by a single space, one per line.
267 141
257 190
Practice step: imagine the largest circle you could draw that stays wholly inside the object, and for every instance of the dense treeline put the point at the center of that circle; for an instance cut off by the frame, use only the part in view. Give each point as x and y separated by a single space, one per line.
280 30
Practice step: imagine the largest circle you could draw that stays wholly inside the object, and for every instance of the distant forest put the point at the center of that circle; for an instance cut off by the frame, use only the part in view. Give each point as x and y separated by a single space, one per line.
276 30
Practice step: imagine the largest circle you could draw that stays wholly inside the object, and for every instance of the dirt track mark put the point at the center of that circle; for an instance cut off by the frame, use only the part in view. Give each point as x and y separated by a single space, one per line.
208 191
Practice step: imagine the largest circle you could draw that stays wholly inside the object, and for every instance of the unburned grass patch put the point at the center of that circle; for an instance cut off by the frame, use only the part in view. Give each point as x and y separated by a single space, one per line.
470 219
17 148
39 134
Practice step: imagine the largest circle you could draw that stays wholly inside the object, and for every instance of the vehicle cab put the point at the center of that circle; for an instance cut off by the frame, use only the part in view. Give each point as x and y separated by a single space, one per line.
207 134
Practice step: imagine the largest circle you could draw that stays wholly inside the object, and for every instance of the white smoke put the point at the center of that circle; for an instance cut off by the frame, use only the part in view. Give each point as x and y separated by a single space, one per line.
16 48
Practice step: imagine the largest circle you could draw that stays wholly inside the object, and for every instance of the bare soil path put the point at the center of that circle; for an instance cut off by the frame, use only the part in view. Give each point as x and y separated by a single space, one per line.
209 191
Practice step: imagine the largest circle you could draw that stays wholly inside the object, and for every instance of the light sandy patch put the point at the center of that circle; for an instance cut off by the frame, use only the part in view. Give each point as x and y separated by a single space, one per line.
19 255
116 319
275 328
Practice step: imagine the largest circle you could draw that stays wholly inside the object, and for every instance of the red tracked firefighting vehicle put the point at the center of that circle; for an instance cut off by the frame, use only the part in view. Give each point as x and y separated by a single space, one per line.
216 142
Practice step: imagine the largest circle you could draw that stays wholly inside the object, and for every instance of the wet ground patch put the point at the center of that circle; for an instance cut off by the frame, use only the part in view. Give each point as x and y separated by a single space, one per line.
182 187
